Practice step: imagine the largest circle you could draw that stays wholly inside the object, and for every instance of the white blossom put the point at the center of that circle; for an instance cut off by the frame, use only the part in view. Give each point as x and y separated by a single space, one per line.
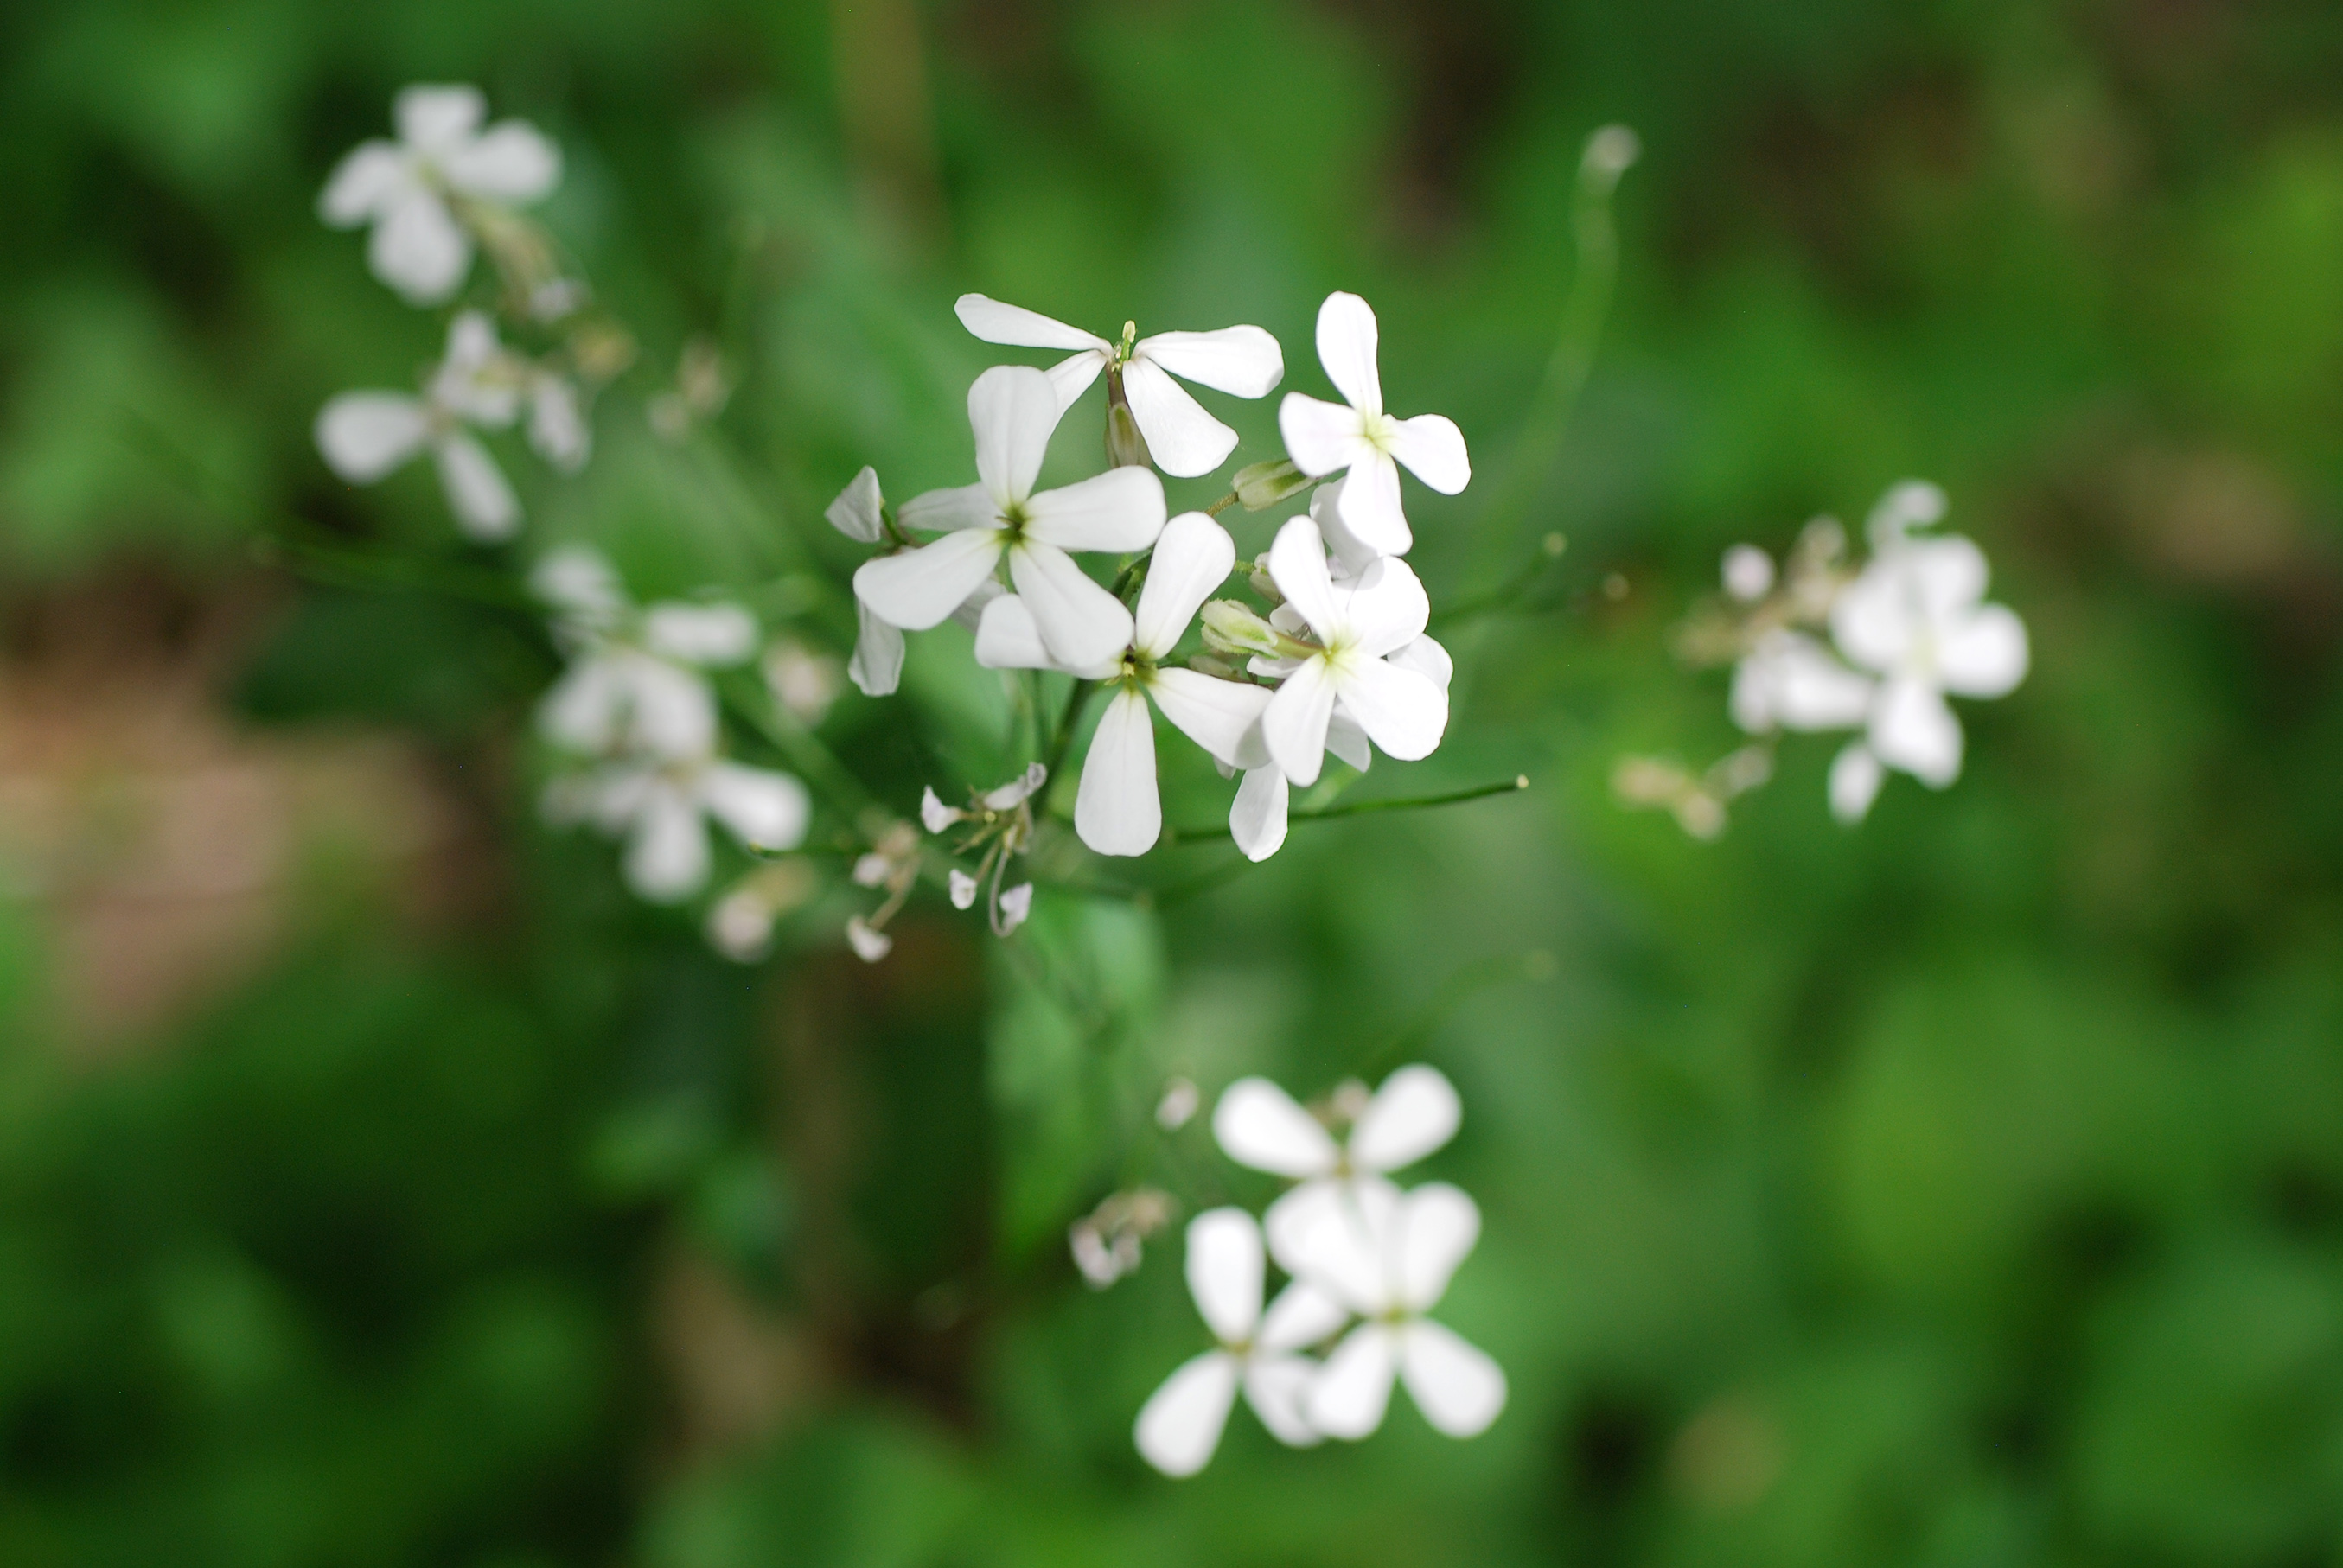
1183 439
1361 440
1257 1124
1790 681
634 681
1387 1256
405 188
661 808
363 436
1748 573
1013 411
1181 1424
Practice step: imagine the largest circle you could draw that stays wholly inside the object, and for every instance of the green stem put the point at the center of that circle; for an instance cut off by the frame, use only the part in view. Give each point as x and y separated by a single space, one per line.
1064 740
1361 808
1223 504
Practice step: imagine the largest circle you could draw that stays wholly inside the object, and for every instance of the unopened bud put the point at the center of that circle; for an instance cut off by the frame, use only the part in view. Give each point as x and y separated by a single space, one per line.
1611 151
1125 447
1205 664
1264 584
1260 486
1231 628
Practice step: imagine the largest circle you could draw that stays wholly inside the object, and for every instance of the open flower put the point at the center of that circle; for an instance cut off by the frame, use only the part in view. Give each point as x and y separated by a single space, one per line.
363 436
1259 1124
1185 440
1357 624
1181 1424
405 188
1329 437
1117 809
634 681
1916 616
661 808
1013 411
1388 1256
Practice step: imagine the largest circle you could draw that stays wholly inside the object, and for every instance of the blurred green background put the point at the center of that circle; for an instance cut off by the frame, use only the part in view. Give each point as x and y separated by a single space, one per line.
379 1184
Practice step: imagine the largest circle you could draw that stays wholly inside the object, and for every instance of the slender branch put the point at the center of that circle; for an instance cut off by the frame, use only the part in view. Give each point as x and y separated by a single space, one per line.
1064 740
1361 808
1223 504
1507 593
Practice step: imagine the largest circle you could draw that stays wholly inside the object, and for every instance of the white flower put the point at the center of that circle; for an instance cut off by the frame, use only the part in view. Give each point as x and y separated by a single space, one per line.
660 809
1790 681
877 666
1117 809
404 188
634 681
366 435
1328 438
558 429
1014 410
1387 1256
1259 1124
1748 573
1183 439
1179 1425
1357 624
1916 618
870 944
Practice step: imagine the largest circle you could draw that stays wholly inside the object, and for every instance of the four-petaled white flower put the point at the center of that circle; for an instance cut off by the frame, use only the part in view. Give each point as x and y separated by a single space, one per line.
405 188
1183 439
661 806
1917 617
1357 624
1257 1124
1179 1425
1326 439
1387 1256
634 681
363 436
1013 411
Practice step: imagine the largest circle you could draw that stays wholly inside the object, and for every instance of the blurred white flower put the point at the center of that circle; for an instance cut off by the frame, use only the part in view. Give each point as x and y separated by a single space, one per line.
1185 440
1748 573
1257 1124
1917 617
1181 1424
661 808
1790 681
1387 1256
1357 625
740 923
1013 411
804 683
442 158
363 436
634 680
1361 440
557 427
1178 1105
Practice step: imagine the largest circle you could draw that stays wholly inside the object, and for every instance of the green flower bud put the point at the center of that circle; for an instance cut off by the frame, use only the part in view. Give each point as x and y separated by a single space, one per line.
1260 486
1231 628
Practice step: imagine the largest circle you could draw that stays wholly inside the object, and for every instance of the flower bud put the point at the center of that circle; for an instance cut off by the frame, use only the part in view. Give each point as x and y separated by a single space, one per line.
1260 486
1231 628
1125 447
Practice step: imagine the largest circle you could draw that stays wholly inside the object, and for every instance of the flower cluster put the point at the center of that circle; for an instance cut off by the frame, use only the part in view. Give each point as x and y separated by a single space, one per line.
1360 1253
1822 644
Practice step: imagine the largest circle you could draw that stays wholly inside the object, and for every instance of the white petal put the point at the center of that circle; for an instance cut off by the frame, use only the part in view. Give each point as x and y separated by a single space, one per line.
918 588
765 810
1018 790
418 250
365 435
1346 740
1436 1227
1015 905
512 161
1792 681
581 711
1082 624
368 181
934 815
1020 327
1301 1315
485 505
1321 437
1459 1389
877 666
1912 729
1183 439
1354 553
1370 505
1012 410
1414 1112
1340 1235
1007 638
666 853
1257 818
1425 657
857 511
1275 1386
1856 777
1117 810
942 511
1944 576
1257 1124
557 429
1431 447
1983 654
1215 714
577 580
1243 361
672 709
1293 725
1297 564
869 946
1387 609
1072 377
435 118
1121 509
1225 1266
1347 348
703 634
1747 573
1872 619
963 889
1404 713
1194 556
1351 1391
1179 1425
